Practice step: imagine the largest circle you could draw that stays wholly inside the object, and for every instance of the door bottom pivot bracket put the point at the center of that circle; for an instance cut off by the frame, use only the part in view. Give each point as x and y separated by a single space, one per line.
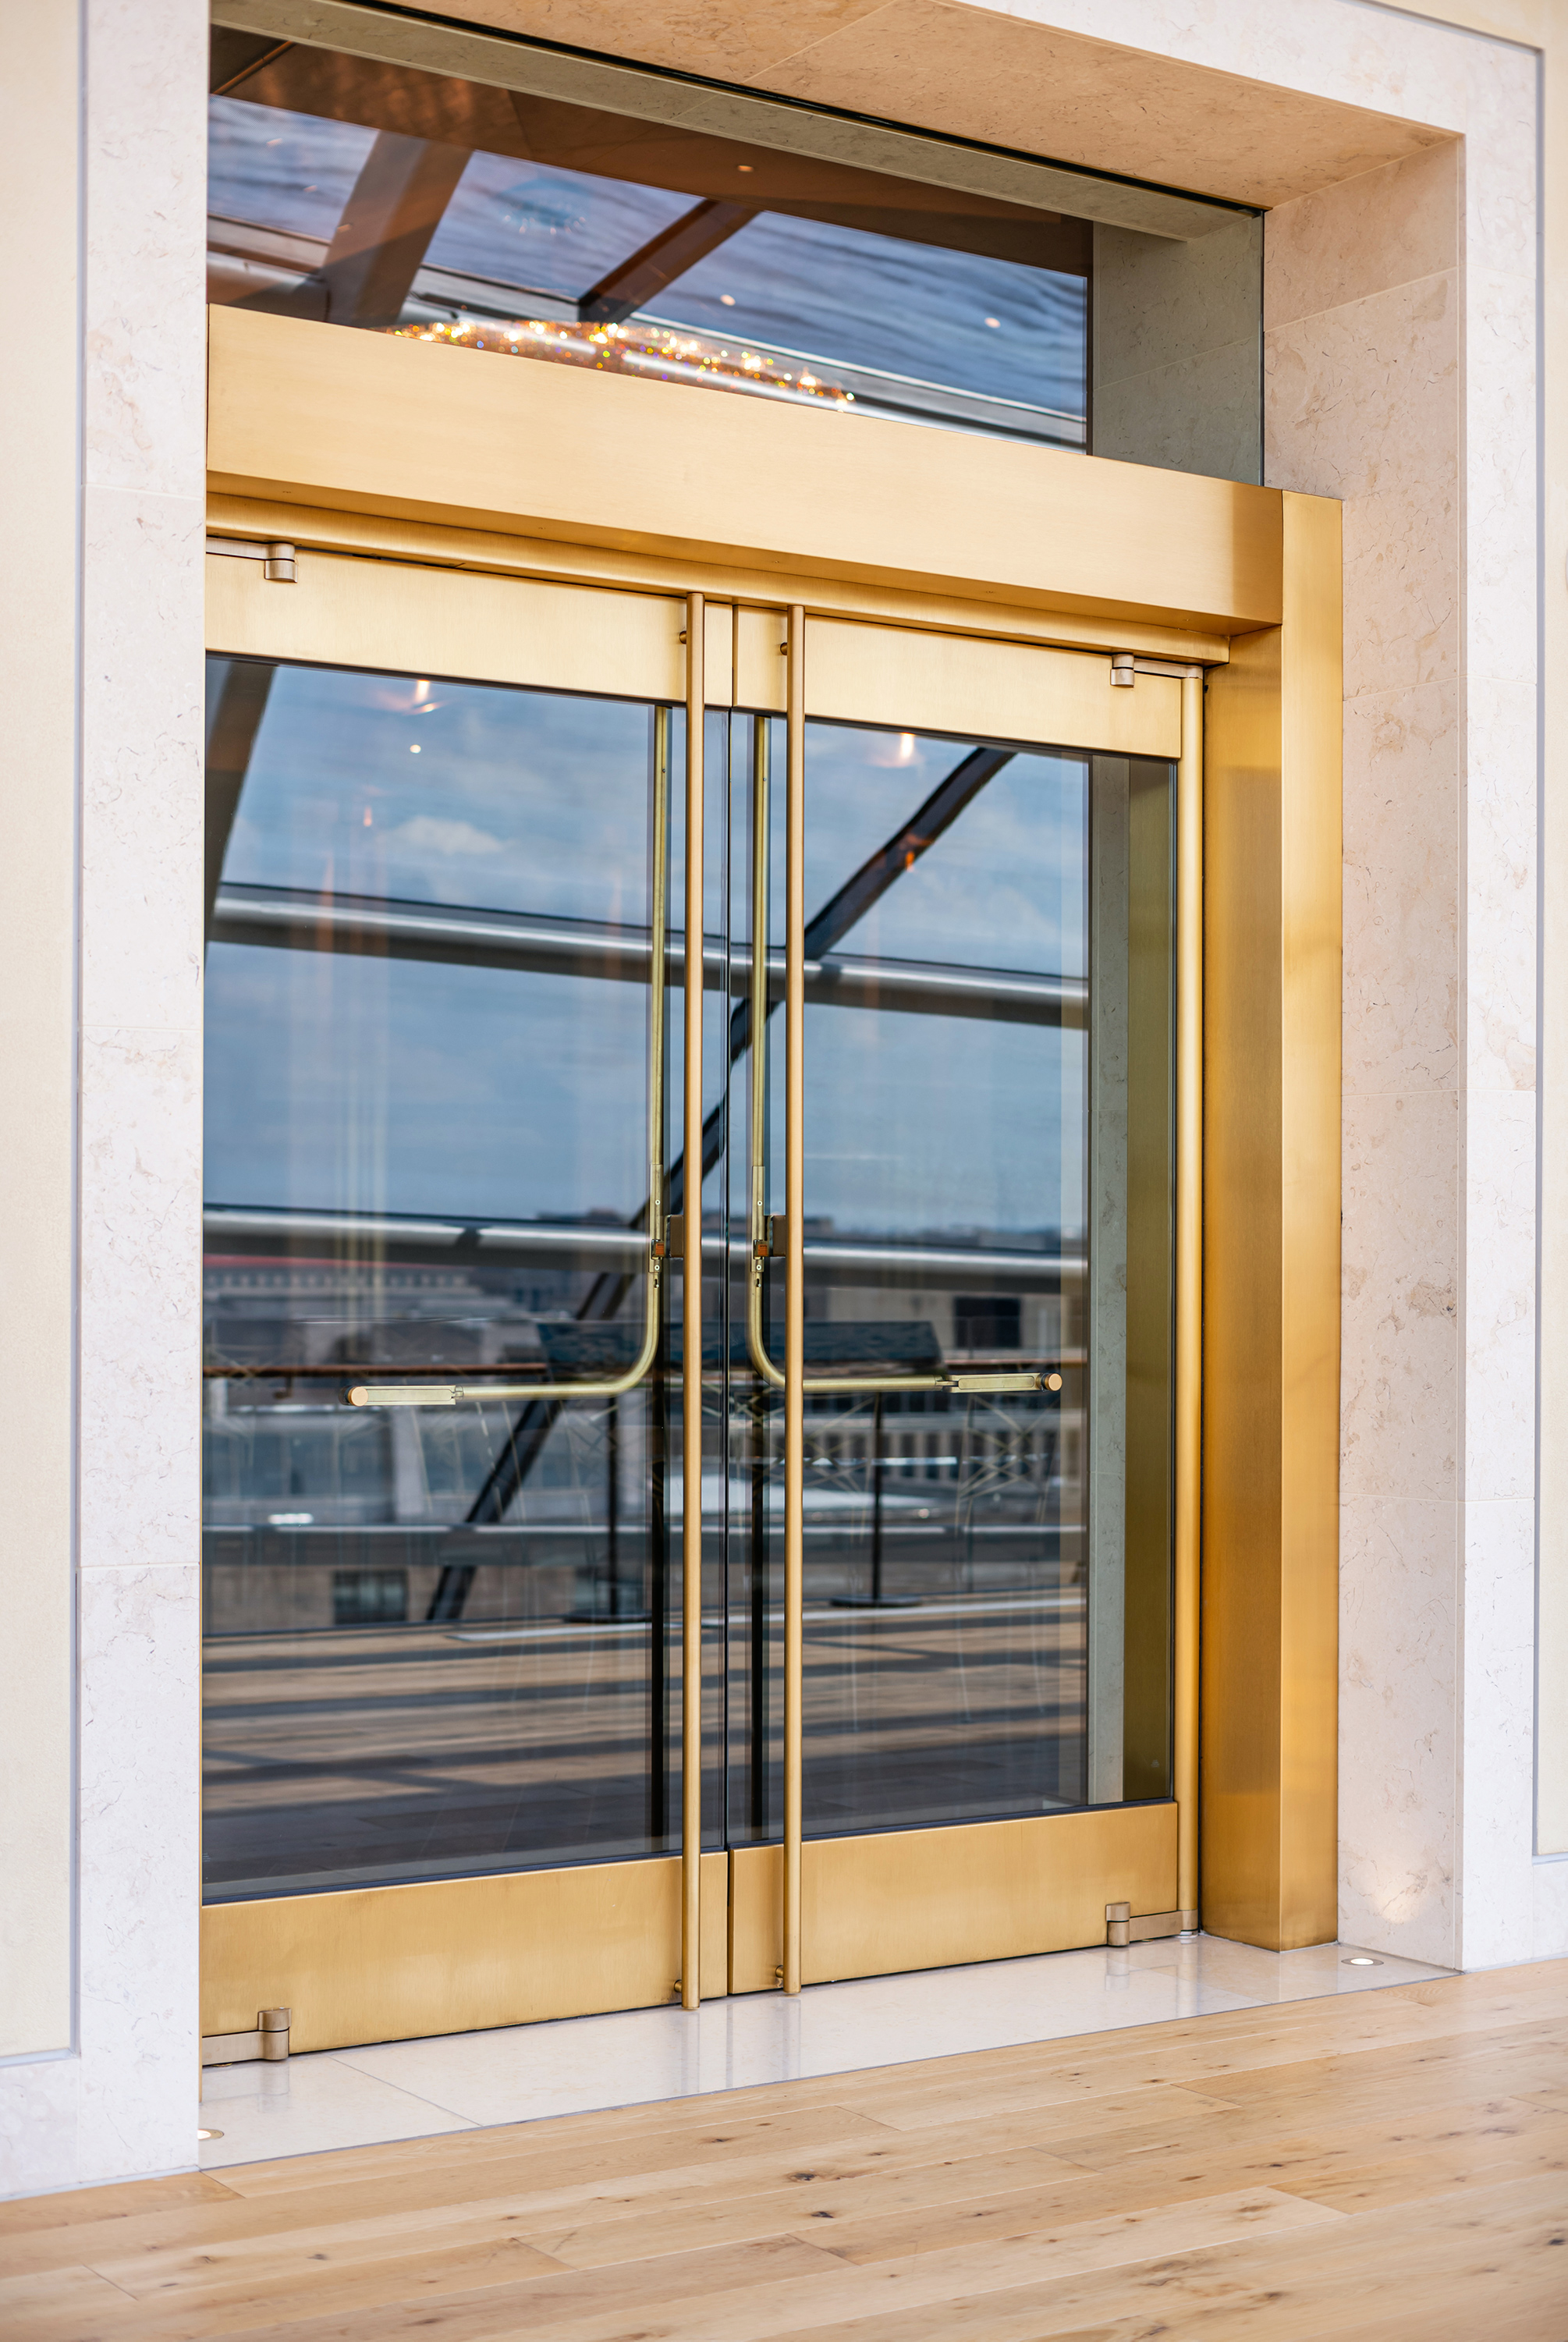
268 2040
1122 1927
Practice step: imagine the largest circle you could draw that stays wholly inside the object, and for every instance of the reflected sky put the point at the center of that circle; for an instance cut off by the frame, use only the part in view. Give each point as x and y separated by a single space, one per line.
342 1083
1005 887
277 169
515 801
962 318
358 1082
560 232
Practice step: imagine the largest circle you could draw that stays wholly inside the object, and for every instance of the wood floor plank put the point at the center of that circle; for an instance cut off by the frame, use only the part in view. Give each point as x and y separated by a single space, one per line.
23 2215
1454 2273
751 2313
918 2190
1371 2167
55 2303
491 2284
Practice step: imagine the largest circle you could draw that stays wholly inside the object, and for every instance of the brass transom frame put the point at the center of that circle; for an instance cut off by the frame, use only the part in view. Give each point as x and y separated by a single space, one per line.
1241 582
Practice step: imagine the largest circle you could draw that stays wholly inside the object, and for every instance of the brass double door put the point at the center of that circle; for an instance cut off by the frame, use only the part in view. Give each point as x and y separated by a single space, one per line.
625 1581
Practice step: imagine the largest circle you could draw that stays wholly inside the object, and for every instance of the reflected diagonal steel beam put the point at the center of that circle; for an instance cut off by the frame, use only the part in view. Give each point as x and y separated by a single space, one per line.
882 869
838 914
635 281
235 713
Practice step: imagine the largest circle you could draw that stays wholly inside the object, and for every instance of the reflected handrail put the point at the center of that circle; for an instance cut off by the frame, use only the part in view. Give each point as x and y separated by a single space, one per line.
450 1394
1020 1379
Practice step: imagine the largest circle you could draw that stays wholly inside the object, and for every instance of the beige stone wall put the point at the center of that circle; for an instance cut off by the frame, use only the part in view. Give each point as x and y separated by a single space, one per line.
39 172
104 391
1363 402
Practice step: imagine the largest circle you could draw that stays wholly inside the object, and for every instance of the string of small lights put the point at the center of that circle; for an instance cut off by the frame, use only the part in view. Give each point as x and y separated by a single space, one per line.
661 352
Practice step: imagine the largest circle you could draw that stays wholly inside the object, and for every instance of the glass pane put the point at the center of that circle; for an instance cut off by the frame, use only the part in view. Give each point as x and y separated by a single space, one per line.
443 1639
437 1638
760 253
986 1576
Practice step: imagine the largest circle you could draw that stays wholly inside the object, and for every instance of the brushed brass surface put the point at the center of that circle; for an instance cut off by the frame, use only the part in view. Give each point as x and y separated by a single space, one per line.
453 1955
794 1288
757 628
756 1919
345 612
1148 1474
940 683
1189 1268
984 1890
414 430
692 1333
1270 1260
421 618
438 538
934 1898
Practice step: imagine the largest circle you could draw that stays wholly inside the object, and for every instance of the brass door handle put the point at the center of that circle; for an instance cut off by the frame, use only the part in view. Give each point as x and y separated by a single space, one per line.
659 1225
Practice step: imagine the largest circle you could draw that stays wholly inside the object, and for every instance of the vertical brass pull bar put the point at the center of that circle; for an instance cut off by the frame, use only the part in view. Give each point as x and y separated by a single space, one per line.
794 1280
454 1394
1008 1379
1189 1279
691 1340
757 1337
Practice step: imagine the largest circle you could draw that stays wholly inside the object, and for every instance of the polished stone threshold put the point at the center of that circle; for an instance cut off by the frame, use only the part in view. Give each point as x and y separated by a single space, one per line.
466 2081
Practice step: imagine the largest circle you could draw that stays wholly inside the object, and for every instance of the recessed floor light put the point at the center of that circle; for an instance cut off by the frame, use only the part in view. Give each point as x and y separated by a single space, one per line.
1361 1960
209 2133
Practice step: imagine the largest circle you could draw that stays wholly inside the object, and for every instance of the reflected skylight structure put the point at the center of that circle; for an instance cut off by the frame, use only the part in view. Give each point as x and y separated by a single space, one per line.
409 203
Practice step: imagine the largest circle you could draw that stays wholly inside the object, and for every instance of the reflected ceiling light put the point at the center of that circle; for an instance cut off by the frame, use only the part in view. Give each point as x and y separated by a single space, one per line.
414 747
1361 1960
728 299
993 321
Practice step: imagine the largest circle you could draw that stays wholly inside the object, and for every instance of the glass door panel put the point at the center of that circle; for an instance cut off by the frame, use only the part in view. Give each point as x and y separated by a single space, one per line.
446 1178
437 1639
967 1123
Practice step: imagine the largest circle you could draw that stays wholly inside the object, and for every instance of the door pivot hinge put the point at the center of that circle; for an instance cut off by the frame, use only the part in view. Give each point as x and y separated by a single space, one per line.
268 2040
278 559
1122 1927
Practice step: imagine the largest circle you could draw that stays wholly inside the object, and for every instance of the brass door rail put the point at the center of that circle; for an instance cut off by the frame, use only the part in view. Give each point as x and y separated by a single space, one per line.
449 1393
764 1226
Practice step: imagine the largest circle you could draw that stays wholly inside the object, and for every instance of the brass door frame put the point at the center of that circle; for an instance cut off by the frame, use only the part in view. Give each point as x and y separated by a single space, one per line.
444 465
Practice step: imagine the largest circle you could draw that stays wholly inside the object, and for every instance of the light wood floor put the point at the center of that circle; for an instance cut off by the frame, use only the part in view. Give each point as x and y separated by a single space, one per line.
1388 2165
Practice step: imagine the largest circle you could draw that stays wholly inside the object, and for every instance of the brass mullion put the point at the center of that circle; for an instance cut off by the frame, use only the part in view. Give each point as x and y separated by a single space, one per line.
794 1281
691 1335
1189 1236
